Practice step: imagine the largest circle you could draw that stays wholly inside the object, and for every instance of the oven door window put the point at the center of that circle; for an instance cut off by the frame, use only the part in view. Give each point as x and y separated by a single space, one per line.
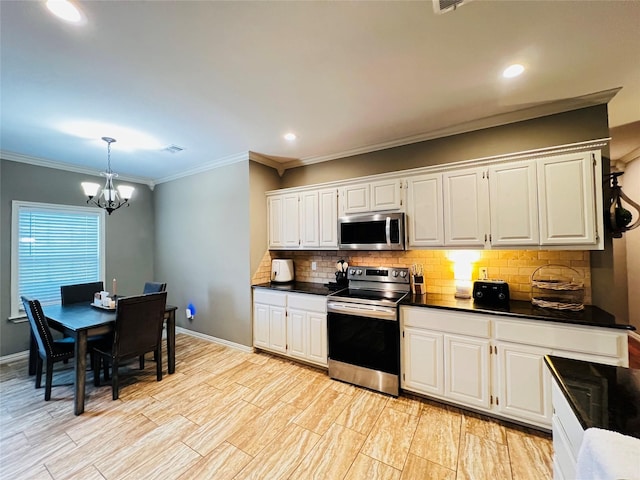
365 342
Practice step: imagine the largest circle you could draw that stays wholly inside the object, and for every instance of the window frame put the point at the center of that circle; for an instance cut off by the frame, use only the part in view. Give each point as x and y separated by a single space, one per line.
17 309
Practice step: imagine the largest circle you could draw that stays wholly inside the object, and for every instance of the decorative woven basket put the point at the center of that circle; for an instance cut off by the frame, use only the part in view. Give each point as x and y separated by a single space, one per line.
558 287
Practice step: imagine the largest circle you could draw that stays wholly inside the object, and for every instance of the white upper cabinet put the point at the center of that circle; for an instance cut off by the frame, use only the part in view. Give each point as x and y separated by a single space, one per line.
466 207
425 214
328 210
305 220
513 199
567 199
371 197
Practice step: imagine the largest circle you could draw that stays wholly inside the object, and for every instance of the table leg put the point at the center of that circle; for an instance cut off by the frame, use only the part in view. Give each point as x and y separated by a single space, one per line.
81 366
33 353
171 341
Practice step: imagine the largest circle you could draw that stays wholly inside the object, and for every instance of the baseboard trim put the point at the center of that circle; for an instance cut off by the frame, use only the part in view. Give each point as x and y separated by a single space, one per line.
14 357
220 341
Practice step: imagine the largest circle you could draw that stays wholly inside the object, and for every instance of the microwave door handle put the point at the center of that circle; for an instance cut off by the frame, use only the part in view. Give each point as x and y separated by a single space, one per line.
387 230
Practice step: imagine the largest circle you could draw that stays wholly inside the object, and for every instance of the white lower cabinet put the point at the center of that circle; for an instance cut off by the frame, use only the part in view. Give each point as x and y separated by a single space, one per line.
487 363
293 324
567 436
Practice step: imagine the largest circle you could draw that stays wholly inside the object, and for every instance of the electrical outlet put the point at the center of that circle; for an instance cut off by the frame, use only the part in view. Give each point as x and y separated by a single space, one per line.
483 273
314 266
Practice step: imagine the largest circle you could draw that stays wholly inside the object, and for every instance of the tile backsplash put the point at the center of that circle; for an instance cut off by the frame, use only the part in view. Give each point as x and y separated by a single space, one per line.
513 266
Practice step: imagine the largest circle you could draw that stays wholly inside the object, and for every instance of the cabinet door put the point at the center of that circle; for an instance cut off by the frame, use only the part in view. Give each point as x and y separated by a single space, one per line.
466 212
355 198
291 220
514 204
328 218
386 195
297 333
274 214
524 383
422 361
309 220
466 366
424 211
567 199
317 337
278 329
260 325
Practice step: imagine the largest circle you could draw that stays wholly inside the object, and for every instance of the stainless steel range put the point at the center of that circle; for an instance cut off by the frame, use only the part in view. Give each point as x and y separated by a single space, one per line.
364 336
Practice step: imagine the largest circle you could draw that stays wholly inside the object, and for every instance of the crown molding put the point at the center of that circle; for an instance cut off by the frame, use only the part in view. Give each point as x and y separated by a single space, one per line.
42 162
542 109
271 161
221 162
630 157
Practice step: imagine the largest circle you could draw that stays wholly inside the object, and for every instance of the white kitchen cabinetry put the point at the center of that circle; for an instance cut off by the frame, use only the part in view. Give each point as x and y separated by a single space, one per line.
269 320
446 354
293 324
567 436
466 207
567 199
371 197
513 198
425 213
303 220
493 364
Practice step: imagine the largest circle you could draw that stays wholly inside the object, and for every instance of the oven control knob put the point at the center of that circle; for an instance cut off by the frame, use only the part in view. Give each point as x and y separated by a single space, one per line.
358 272
395 273
403 274
352 271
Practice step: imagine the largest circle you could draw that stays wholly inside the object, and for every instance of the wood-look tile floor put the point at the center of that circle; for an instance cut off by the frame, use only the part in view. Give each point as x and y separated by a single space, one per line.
227 414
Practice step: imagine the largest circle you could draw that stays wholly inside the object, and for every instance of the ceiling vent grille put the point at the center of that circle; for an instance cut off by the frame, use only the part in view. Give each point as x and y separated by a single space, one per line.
173 149
443 6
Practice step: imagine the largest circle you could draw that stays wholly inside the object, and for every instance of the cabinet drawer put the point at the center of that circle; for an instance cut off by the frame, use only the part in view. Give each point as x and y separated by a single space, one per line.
595 341
443 321
566 420
269 297
313 303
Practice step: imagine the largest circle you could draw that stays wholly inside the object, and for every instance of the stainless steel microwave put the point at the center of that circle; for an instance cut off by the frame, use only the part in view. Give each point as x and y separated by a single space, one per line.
376 231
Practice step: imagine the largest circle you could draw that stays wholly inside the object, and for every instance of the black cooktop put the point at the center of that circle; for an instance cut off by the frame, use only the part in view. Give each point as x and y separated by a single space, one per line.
374 295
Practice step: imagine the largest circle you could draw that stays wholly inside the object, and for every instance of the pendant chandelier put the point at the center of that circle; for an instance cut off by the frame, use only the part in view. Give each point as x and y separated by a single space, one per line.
619 217
109 199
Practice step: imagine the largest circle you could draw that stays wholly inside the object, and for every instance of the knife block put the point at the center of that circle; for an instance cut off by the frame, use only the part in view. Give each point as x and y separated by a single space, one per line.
417 285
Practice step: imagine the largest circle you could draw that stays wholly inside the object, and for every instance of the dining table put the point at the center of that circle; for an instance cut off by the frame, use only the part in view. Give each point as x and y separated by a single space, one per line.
81 320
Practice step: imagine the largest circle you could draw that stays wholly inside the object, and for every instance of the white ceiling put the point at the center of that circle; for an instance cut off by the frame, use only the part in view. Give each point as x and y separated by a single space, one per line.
224 78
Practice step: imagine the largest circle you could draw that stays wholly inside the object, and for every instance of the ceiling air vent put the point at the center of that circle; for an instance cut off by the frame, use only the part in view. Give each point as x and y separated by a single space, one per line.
173 149
442 6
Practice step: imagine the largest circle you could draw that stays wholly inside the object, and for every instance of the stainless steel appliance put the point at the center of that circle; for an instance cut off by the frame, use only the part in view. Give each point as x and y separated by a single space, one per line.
494 293
363 330
282 270
379 231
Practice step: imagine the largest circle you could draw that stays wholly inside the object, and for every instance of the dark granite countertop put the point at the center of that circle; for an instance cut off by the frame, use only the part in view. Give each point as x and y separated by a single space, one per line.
591 316
601 396
297 287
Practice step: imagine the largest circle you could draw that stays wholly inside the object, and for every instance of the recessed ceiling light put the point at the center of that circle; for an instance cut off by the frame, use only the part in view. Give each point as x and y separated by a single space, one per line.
65 10
290 137
513 70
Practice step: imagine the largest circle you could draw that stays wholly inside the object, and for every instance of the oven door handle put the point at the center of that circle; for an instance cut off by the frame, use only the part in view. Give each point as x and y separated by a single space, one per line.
387 230
360 310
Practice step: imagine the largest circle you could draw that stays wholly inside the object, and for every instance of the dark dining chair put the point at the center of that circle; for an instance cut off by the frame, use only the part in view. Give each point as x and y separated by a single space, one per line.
49 350
154 287
80 293
138 330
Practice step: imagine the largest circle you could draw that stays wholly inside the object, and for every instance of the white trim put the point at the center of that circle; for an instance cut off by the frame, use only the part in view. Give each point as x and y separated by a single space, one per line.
217 340
14 357
42 162
205 167
634 335
15 207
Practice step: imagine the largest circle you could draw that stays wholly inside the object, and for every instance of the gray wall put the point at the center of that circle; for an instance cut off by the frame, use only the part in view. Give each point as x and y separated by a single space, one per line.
261 179
129 235
203 250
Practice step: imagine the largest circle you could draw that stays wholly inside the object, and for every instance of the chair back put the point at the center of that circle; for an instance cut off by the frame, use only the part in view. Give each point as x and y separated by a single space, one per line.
80 293
154 287
39 326
139 322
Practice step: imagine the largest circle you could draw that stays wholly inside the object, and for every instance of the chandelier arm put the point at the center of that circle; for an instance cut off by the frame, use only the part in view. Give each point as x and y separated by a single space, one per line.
634 205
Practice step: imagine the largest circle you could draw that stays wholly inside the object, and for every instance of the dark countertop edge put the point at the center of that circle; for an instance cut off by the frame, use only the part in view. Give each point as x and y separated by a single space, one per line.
578 412
541 316
311 288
